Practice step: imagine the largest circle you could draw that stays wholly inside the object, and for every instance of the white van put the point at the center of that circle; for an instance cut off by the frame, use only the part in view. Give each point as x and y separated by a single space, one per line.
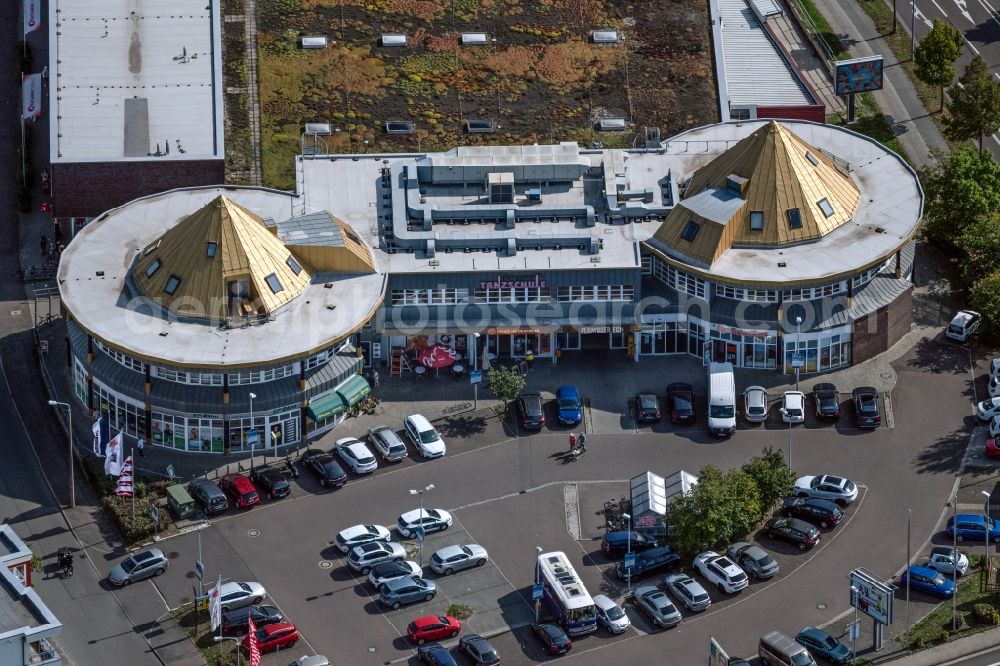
721 400
777 649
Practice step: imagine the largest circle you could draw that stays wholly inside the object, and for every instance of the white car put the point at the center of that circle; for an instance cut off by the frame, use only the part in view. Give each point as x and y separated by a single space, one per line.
237 595
793 407
610 615
995 427
755 404
450 559
963 325
721 571
429 520
424 436
993 386
688 591
987 409
995 368
947 560
357 456
359 534
836 489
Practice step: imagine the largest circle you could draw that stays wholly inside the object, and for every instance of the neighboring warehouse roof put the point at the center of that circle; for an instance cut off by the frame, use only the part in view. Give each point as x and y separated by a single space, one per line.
756 71
129 77
23 614
188 269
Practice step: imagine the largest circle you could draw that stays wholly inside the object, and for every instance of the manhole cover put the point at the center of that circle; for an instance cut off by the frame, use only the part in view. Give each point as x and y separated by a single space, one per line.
253 533
371 650
325 564
15 313
821 606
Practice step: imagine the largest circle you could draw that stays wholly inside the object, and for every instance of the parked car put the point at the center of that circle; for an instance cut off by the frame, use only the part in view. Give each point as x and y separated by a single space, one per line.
974 528
927 580
428 520
993 387
826 486
552 637
529 406
383 573
755 404
616 543
479 650
239 594
356 455
570 405
647 408
688 591
208 496
654 602
991 449
822 643
823 513
432 628
271 482
793 407
362 558
325 467
995 367
359 534
793 530
238 620
680 399
988 409
948 560
277 636
450 559
387 443
753 559
435 654
963 325
866 407
423 435
407 590
610 615
135 567
240 490
995 427
320 660
649 561
721 572
827 400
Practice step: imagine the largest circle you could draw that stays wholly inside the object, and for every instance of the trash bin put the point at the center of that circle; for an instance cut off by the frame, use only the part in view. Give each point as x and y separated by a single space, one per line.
180 502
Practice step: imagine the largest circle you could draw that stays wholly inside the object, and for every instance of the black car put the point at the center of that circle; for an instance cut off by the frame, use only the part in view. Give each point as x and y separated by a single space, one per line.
529 406
616 543
236 621
793 530
209 496
435 654
271 482
552 636
680 399
866 407
813 510
647 408
479 650
827 401
325 467
650 561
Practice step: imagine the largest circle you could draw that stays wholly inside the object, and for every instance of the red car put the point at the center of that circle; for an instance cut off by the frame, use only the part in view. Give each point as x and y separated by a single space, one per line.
274 636
433 628
992 449
240 490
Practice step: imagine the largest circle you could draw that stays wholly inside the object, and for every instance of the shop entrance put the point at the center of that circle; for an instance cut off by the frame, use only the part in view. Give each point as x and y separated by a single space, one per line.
518 345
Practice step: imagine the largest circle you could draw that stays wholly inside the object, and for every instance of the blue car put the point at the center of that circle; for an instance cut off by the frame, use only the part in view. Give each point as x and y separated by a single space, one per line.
928 580
821 643
435 654
973 527
570 406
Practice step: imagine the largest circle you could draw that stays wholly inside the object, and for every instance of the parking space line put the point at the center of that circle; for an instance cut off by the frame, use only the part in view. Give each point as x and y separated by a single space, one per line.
549 484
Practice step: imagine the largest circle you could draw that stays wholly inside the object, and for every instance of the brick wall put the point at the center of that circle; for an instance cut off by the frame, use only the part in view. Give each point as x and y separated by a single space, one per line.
875 333
813 112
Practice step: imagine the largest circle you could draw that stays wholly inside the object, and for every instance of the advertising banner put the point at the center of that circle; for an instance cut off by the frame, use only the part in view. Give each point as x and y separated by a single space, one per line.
32 15
32 96
857 75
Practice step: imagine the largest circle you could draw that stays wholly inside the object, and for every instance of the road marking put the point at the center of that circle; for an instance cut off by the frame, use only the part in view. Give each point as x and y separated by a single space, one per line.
990 10
964 9
571 503
890 421
500 498
971 46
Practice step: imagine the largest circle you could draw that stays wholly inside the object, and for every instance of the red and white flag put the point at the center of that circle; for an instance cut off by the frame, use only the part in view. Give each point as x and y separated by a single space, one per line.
113 455
124 487
32 15
252 646
215 604
31 91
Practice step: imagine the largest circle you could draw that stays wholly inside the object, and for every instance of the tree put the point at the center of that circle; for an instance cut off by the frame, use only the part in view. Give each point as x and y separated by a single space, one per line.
505 384
936 54
974 105
963 189
719 507
985 298
773 478
980 245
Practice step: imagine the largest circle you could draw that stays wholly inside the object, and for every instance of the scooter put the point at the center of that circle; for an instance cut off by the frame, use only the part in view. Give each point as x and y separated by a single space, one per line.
292 469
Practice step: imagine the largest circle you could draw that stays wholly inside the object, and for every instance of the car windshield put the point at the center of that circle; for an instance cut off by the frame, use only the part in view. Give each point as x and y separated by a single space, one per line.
682 401
721 411
428 436
700 597
568 403
647 402
802 659
129 565
830 642
827 402
764 561
794 411
615 613
755 411
868 404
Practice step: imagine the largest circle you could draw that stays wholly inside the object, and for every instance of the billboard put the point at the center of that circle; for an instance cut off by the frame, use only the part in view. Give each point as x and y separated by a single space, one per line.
872 596
857 75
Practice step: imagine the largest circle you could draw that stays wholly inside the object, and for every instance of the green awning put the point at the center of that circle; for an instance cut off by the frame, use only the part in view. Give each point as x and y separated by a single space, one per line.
325 406
354 390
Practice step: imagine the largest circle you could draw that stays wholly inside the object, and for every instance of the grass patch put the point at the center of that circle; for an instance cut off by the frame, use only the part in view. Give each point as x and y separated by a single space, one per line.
220 654
937 625
822 29
460 611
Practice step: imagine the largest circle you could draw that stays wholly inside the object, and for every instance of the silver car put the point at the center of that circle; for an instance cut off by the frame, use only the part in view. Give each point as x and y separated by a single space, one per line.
356 455
362 558
408 590
948 560
836 489
237 595
450 559
387 443
688 591
138 566
654 603
753 559
755 404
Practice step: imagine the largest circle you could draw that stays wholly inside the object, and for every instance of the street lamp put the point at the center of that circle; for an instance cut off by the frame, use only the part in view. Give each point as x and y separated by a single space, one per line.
798 346
538 551
475 385
219 639
986 541
72 466
854 631
420 530
628 552
954 569
252 435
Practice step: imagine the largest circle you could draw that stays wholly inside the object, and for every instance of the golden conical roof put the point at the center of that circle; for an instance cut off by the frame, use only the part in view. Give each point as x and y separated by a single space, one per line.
220 261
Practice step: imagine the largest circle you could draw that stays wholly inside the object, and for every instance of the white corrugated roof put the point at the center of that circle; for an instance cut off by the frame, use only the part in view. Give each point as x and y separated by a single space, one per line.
756 71
110 51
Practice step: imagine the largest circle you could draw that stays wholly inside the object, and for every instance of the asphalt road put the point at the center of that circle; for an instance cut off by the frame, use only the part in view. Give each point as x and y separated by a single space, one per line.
991 658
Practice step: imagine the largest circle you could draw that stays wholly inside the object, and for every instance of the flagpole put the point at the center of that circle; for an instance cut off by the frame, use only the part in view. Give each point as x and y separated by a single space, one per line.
134 489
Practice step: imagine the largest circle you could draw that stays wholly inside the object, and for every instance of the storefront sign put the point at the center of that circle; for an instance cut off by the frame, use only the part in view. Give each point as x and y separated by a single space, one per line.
513 330
206 416
585 330
515 282
750 333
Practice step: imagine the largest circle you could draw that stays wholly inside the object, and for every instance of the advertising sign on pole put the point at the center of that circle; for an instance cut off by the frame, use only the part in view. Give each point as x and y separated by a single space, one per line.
476 377
536 592
874 596
716 655
857 75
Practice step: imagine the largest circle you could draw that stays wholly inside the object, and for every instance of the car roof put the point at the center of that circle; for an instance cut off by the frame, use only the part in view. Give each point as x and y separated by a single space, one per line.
824 386
813 632
419 421
567 392
397 583
604 602
679 386
448 551
416 514
356 530
357 448
971 518
921 570
531 394
864 390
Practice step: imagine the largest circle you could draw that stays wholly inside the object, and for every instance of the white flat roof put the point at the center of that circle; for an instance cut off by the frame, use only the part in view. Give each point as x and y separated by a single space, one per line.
164 58
310 322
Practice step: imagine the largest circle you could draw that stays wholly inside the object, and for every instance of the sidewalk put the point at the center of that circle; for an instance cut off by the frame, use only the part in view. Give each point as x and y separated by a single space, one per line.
812 67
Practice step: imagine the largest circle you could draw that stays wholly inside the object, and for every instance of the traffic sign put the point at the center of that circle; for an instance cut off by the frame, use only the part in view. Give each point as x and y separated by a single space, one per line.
420 534
199 570
853 631
476 377
798 361
536 592
252 436
629 560
154 514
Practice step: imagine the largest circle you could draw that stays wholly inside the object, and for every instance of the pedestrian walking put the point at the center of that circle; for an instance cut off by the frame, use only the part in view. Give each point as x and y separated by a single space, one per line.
44 243
581 442
572 442
375 378
530 358
141 446
58 232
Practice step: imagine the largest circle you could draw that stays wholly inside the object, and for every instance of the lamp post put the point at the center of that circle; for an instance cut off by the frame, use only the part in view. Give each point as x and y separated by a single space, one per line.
72 465
909 515
986 541
420 530
854 631
628 552
913 28
252 436
475 385
219 639
798 345
538 553
954 569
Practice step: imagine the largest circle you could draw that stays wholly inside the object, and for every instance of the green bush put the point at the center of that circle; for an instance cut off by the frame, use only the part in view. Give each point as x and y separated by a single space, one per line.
135 528
985 614
944 635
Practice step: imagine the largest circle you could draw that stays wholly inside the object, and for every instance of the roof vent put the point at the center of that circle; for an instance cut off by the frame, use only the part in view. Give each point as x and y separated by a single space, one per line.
100 273
737 184
782 264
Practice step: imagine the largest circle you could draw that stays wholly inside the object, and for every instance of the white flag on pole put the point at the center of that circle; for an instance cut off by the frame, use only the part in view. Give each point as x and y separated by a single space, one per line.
97 438
32 15
215 604
114 453
31 92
